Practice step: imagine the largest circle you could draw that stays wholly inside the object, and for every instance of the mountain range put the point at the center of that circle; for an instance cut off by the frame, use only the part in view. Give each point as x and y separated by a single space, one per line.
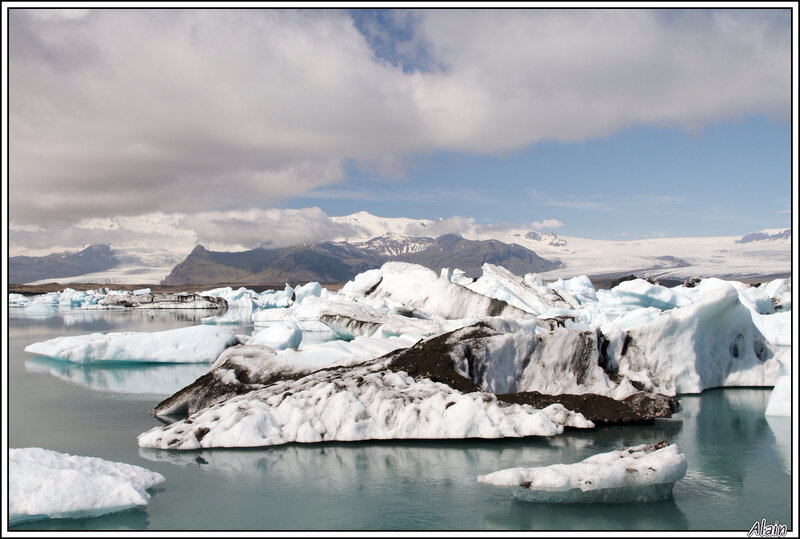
94 258
372 240
330 262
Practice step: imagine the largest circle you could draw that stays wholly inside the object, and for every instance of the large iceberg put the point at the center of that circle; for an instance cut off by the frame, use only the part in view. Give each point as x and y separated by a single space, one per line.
370 401
196 344
711 342
48 484
642 473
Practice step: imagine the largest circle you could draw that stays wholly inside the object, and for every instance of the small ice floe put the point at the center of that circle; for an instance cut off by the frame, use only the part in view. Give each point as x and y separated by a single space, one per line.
642 473
195 344
48 484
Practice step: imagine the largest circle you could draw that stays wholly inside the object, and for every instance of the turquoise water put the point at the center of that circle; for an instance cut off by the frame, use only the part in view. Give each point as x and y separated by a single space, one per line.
739 460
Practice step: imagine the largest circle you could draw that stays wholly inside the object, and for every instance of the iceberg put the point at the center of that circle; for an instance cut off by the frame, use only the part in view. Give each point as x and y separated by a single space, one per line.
371 403
712 342
195 344
372 400
642 473
48 484
499 283
412 290
279 336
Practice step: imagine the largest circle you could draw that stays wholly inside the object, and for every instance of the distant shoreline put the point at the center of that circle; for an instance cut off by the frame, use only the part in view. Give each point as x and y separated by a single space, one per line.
599 281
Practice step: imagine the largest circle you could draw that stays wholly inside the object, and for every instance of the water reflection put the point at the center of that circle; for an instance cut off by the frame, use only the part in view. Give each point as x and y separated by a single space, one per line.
89 321
782 431
130 519
149 379
723 424
654 516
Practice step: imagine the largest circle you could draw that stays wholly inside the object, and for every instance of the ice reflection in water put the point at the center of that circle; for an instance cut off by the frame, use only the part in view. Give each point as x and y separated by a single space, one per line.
128 378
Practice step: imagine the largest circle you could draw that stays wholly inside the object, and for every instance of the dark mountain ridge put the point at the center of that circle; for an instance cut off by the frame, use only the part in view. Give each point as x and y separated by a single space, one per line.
329 262
94 258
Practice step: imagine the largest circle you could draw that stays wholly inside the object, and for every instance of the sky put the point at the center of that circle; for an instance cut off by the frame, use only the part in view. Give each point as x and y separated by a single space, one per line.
253 125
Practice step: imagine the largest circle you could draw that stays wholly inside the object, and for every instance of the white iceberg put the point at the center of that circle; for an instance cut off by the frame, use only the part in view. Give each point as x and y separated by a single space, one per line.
17 300
279 336
499 283
48 484
712 342
642 473
413 290
195 344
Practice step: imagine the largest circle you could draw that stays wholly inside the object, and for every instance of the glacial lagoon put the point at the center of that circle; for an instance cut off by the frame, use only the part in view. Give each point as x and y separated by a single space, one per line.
739 461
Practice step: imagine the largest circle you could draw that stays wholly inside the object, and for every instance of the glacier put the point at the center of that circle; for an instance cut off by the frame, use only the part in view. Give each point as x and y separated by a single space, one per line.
641 473
47 484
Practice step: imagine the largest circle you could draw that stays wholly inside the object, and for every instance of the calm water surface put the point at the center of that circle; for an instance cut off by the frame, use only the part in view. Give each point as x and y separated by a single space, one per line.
739 460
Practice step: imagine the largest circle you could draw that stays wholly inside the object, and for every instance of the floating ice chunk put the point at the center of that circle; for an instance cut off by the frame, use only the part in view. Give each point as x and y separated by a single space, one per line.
241 304
776 328
349 319
710 343
362 283
637 293
17 300
141 291
499 283
279 336
48 484
413 290
580 288
272 300
305 315
196 344
780 400
367 402
456 276
780 291
642 473
307 290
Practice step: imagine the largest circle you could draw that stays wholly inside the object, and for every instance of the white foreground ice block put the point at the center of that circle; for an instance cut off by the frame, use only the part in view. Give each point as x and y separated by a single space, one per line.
48 484
642 473
195 344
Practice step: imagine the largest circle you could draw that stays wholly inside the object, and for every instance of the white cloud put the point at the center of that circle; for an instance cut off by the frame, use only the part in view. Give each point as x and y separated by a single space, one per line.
268 228
124 112
546 224
439 227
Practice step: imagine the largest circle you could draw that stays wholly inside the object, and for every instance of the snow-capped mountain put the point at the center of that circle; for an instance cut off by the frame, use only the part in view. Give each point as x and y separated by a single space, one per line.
368 238
391 244
767 235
